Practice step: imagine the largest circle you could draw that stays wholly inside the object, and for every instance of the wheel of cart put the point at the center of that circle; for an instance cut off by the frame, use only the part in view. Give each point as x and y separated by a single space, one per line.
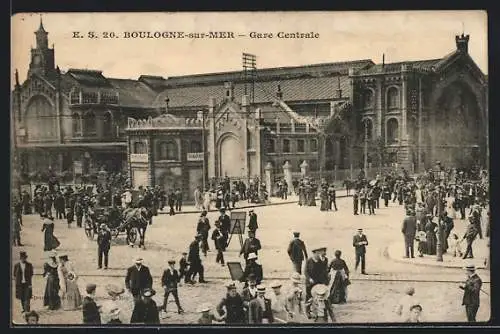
89 227
132 235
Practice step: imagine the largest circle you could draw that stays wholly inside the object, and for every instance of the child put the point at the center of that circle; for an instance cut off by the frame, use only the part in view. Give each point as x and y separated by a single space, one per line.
183 267
456 246
422 242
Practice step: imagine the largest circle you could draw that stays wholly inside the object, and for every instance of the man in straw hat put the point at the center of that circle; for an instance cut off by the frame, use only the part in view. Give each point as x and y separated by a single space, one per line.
320 307
260 308
402 309
278 302
316 270
103 245
231 308
206 317
146 310
297 252
359 242
294 299
169 281
23 274
471 287
138 278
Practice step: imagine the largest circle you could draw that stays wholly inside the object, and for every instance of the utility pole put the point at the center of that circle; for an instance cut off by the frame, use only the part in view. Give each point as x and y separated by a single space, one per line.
440 240
249 71
366 148
203 135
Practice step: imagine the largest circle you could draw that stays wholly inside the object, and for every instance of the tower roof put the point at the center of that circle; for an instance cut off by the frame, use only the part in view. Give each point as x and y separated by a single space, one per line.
41 29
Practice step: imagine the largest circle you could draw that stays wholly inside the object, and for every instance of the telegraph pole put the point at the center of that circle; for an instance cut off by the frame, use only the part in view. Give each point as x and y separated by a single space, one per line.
249 71
203 135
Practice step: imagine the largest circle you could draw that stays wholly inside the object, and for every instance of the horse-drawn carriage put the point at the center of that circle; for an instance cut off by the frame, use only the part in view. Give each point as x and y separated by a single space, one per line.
131 222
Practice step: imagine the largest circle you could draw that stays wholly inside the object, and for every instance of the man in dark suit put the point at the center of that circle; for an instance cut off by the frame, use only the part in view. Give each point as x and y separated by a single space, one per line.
251 245
103 245
23 274
359 242
259 309
225 224
90 309
355 201
195 265
470 235
297 252
471 288
316 271
145 310
138 279
409 229
169 282
252 223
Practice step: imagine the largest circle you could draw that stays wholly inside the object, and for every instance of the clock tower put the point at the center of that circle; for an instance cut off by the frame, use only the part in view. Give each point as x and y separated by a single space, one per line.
42 58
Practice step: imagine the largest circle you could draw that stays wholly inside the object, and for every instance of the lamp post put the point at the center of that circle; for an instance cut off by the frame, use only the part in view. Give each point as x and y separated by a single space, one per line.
366 148
440 241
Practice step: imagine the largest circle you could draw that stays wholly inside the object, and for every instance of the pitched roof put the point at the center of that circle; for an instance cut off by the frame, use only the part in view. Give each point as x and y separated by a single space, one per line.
300 89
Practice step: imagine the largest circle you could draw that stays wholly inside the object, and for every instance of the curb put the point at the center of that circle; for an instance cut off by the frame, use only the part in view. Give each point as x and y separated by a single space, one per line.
239 207
389 257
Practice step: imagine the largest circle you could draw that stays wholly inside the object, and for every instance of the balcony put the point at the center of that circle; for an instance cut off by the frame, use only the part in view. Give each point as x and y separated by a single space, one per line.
99 97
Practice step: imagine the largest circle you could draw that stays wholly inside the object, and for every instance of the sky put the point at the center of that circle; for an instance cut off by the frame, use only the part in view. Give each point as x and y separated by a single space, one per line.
343 36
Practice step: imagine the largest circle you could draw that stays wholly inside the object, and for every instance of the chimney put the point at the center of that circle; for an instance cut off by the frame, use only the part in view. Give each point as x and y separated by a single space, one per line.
279 93
339 91
229 88
462 43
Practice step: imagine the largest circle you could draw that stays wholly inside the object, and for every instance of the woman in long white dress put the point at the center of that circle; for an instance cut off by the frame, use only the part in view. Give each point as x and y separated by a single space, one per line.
70 293
450 200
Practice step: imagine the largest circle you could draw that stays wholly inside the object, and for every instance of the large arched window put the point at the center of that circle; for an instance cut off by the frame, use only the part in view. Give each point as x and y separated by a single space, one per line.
89 127
140 148
76 123
367 129
195 147
168 151
392 131
393 97
41 119
107 124
367 99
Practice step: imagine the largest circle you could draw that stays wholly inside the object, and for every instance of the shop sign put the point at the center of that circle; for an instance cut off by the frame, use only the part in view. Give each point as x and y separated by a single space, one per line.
137 157
195 156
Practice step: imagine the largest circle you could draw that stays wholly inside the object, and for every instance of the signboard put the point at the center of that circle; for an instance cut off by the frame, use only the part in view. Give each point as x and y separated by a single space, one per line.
195 156
235 270
78 167
238 222
136 157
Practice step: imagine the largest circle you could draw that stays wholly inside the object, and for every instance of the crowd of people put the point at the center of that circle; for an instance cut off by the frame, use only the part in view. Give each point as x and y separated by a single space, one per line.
431 203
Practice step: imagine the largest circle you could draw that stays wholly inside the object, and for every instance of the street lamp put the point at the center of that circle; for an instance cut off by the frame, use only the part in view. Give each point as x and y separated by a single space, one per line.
366 147
203 140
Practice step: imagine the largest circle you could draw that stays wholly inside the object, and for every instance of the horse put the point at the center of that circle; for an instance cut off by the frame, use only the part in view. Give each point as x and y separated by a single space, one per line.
138 218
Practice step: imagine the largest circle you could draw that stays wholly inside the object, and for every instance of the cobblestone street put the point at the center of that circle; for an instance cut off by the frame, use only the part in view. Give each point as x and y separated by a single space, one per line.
371 297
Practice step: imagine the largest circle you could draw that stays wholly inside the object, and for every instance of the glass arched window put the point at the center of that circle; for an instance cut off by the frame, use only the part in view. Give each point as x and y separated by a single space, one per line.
168 151
367 99
41 119
76 122
367 129
107 124
140 148
89 126
392 131
393 97
195 147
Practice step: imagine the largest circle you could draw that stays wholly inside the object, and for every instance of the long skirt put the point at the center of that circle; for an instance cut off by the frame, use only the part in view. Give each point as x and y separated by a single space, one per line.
431 243
338 291
73 299
324 205
51 297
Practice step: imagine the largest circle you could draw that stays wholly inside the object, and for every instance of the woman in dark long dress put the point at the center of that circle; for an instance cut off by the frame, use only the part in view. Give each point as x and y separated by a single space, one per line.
50 241
324 199
338 290
51 297
430 231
